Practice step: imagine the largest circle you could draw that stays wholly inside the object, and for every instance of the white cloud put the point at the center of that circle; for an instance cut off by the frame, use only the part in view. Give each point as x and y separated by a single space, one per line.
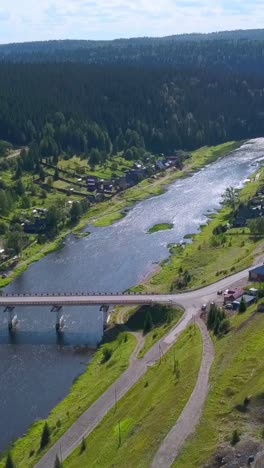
94 19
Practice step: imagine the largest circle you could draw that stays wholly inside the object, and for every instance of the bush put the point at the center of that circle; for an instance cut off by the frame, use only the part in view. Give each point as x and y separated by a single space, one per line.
242 306
107 353
224 327
235 437
148 324
217 321
9 461
45 437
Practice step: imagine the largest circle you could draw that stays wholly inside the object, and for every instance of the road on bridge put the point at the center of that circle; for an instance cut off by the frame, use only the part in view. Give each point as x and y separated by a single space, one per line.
196 297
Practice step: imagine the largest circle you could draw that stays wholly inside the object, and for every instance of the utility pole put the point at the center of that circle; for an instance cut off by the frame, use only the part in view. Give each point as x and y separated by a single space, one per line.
119 434
115 400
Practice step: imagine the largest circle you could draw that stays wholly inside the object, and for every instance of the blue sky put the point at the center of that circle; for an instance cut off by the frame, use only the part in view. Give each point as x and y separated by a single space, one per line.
27 20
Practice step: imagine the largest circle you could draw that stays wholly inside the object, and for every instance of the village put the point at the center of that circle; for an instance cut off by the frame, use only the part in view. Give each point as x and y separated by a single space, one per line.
72 192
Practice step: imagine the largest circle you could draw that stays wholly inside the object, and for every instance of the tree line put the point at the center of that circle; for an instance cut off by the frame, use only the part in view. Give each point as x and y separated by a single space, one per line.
78 108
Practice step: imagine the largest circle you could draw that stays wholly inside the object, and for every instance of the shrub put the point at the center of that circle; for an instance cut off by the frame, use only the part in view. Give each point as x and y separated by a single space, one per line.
148 324
224 327
9 461
242 306
45 436
107 353
235 437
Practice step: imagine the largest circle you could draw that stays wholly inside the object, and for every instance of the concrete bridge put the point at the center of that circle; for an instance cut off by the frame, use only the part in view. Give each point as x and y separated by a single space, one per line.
57 301
191 299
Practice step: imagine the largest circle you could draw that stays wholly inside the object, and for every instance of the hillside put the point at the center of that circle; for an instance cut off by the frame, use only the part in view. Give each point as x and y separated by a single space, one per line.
234 50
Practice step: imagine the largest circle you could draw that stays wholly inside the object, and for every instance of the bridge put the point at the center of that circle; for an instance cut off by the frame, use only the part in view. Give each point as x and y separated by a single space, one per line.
57 301
190 299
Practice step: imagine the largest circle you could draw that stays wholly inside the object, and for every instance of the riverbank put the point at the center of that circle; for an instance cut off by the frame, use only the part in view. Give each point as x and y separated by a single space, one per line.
108 363
209 256
131 432
108 212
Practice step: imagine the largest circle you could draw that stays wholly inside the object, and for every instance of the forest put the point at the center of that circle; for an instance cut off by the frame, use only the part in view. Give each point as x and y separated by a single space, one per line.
232 50
80 107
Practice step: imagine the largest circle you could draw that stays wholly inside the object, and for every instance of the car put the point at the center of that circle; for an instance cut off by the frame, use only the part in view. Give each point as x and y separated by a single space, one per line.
229 306
220 292
203 307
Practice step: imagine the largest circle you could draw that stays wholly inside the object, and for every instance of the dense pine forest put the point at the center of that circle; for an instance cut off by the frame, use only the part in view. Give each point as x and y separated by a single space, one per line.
160 94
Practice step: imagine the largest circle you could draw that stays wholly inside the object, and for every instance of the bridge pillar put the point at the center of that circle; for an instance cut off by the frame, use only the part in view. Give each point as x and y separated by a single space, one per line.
104 309
59 318
12 318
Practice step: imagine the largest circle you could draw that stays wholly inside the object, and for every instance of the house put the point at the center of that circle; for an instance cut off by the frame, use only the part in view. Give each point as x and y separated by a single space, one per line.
257 274
232 295
92 183
108 187
245 213
121 183
160 165
35 227
249 300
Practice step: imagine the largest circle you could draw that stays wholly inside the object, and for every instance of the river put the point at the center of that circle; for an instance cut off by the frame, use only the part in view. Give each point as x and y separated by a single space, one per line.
36 371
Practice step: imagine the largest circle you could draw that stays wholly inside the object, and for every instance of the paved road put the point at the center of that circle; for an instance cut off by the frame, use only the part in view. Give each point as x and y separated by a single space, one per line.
95 413
190 416
191 301
196 297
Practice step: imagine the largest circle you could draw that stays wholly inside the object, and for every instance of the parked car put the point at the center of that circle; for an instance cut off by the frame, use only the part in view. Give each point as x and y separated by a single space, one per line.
229 306
203 307
220 292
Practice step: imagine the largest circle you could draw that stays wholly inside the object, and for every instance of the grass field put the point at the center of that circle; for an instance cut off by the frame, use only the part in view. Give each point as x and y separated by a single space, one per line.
88 387
160 227
131 433
238 371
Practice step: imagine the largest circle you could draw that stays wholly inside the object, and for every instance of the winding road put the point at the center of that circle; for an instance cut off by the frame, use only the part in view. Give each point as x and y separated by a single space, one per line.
191 302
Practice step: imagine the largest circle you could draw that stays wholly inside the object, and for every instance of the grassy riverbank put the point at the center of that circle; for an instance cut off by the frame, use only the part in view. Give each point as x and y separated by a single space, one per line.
131 433
210 257
108 212
100 374
237 372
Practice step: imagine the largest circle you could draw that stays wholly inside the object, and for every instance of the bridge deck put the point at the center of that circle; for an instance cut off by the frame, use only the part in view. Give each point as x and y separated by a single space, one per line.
84 299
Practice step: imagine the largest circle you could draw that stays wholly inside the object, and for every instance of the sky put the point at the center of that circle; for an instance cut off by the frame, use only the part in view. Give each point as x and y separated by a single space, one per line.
31 20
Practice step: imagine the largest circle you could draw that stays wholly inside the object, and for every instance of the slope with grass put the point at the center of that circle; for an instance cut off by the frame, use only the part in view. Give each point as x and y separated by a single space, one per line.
238 371
109 362
132 431
153 322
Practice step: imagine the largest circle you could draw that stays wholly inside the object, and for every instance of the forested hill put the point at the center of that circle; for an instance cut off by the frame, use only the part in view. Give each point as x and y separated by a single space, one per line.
116 107
234 50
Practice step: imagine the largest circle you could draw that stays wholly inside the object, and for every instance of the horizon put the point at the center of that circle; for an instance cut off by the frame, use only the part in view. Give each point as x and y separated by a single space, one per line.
121 38
116 19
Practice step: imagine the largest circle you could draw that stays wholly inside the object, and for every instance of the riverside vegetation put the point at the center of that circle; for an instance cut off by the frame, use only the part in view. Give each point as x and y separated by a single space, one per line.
156 332
108 363
131 433
235 401
61 212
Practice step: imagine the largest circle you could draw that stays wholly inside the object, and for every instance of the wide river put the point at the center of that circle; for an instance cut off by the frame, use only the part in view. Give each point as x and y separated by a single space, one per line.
36 371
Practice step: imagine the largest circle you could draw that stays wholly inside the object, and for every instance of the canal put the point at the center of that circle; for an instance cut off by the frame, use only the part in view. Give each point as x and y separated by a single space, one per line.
36 371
